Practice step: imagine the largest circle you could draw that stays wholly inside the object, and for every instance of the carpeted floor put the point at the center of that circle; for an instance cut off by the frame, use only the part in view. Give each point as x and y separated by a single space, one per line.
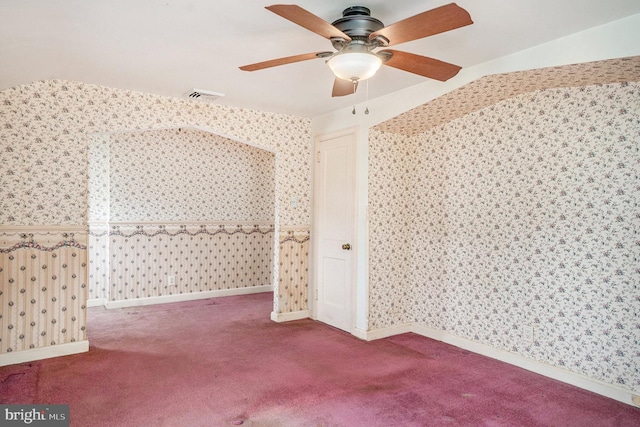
222 362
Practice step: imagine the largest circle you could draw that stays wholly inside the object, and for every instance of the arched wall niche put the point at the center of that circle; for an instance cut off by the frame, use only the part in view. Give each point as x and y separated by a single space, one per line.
178 213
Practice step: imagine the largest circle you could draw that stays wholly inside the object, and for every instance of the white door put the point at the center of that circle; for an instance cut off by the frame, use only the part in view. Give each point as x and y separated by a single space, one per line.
334 222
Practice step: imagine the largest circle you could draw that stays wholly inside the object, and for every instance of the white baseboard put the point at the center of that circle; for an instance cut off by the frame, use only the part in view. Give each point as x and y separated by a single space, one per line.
187 297
377 334
96 302
287 317
360 333
582 381
579 380
43 353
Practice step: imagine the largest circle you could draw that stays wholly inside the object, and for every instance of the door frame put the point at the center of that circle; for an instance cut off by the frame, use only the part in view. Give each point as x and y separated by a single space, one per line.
315 247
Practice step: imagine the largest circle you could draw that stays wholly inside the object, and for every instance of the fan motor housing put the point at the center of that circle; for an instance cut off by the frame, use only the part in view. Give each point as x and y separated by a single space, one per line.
357 22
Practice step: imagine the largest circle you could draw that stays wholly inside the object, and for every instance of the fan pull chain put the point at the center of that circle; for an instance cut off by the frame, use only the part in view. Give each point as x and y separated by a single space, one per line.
366 110
355 85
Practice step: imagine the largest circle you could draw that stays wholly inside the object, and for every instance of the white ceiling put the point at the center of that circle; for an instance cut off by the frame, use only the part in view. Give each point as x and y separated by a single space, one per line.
169 47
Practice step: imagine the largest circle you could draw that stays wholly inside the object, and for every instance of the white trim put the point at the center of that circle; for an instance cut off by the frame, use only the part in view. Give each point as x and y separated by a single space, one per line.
98 224
164 299
300 228
315 252
96 302
361 228
359 333
32 354
560 374
377 334
288 317
579 380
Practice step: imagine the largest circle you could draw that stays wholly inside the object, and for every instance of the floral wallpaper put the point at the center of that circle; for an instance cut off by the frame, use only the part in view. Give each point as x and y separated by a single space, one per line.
51 130
293 286
389 231
524 212
45 127
99 186
188 175
494 88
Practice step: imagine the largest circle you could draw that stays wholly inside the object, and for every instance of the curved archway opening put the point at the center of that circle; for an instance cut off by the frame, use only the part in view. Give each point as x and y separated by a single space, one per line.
179 213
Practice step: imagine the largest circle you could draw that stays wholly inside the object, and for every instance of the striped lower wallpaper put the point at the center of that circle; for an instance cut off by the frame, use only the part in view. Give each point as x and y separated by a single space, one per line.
47 274
144 260
43 287
293 267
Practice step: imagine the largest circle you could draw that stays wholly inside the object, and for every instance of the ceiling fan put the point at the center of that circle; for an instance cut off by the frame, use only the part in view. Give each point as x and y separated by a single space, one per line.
357 35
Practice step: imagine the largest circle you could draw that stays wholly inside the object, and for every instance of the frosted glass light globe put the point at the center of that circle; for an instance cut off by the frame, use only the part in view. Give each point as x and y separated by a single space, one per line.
355 65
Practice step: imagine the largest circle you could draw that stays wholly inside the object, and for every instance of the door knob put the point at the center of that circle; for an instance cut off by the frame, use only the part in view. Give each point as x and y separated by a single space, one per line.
346 247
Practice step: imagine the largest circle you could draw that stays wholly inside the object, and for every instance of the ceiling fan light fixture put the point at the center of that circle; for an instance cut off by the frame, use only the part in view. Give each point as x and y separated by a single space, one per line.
354 66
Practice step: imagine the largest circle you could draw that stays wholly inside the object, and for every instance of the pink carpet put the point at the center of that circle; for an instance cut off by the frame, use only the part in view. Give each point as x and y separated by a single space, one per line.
222 362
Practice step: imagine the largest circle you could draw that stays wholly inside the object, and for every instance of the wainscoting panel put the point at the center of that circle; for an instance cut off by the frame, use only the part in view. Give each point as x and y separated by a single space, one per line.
293 287
43 287
154 260
98 264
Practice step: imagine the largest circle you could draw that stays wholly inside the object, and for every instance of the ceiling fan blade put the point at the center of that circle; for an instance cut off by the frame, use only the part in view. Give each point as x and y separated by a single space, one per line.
343 87
281 61
308 20
421 65
434 21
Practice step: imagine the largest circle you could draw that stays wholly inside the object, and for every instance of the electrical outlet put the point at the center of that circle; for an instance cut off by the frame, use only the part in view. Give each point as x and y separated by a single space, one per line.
527 333
171 280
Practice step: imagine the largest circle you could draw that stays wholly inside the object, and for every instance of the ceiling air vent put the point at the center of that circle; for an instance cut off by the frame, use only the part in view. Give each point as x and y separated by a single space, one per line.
204 95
